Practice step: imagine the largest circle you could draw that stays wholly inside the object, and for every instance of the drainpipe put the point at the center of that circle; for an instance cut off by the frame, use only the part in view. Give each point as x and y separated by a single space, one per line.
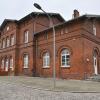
34 30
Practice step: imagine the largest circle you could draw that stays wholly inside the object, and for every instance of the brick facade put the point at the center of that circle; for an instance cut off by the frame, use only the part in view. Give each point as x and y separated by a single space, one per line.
76 35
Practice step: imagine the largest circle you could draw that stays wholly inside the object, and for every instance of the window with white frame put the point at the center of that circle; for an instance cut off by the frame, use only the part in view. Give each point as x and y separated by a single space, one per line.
46 60
94 29
65 58
3 43
26 33
7 28
2 63
11 63
0 44
12 40
26 61
7 64
7 42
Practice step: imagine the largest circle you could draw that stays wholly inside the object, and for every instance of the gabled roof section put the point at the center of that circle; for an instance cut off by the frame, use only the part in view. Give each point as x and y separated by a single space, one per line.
86 16
5 22
33 14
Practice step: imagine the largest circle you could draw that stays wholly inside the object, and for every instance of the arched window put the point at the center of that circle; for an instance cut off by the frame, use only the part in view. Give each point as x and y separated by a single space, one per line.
0 44
12 40
26 60
26 33
46 60
65 58
7 64
7 42
95 61
11 63
2 63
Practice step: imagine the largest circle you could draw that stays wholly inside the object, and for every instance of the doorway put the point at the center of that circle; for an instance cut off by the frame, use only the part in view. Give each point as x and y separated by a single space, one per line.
95 62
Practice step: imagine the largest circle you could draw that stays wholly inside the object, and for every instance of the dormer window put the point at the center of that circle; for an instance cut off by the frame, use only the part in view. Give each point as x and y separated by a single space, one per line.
7 28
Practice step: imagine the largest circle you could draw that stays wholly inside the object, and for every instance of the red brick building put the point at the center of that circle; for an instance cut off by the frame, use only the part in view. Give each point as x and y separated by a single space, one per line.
26 46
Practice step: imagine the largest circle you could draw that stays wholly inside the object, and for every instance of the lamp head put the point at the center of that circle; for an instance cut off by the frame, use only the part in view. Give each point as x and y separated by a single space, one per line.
37 6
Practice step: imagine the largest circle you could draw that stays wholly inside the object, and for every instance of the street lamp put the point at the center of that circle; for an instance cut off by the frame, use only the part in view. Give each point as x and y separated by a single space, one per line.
51 25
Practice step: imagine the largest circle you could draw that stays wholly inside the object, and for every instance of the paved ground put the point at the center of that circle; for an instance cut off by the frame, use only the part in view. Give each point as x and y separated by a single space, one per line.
26 88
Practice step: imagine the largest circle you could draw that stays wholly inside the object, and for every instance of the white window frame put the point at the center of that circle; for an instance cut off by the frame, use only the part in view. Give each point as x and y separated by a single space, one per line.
0 44
7 64
95 62
8 28
8 42
11 63
94 29
2 63
3 43
46 60
12 40
26 33
65 53
26 61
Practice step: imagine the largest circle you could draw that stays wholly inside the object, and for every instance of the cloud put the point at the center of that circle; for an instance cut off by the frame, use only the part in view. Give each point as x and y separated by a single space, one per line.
16 9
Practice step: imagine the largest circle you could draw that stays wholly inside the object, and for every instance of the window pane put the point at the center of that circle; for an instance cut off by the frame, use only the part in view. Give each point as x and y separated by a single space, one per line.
26 36
46 60
11 63
2 66
65 58
25 61
6 67
8 42
12 40
3 44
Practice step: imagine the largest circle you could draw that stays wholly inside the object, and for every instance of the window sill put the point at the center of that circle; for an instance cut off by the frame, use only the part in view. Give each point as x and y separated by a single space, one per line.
25 68
26 42
46 67
65 66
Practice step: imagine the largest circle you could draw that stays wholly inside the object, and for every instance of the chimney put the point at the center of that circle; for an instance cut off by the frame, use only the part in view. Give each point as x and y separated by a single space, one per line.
76 14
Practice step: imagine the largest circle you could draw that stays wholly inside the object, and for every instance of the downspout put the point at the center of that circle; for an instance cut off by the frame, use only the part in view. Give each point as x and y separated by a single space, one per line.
34 30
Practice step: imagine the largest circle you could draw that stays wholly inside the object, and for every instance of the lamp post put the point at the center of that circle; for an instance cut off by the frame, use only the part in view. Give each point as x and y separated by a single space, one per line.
53 28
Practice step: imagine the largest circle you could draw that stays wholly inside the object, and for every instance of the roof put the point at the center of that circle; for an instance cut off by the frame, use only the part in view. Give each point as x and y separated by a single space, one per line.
92 16
5 22
71 21
33 14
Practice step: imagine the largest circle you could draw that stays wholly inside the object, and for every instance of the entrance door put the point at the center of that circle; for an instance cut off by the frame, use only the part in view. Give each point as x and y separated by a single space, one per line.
95 63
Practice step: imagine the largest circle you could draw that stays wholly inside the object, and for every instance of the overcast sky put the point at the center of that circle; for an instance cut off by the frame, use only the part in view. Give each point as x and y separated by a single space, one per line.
16 9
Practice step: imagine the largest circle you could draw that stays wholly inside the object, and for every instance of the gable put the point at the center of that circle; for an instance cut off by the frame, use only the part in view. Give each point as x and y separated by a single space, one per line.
7 24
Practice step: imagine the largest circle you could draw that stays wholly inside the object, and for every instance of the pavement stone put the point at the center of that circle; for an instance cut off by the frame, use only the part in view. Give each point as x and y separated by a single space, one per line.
16 91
